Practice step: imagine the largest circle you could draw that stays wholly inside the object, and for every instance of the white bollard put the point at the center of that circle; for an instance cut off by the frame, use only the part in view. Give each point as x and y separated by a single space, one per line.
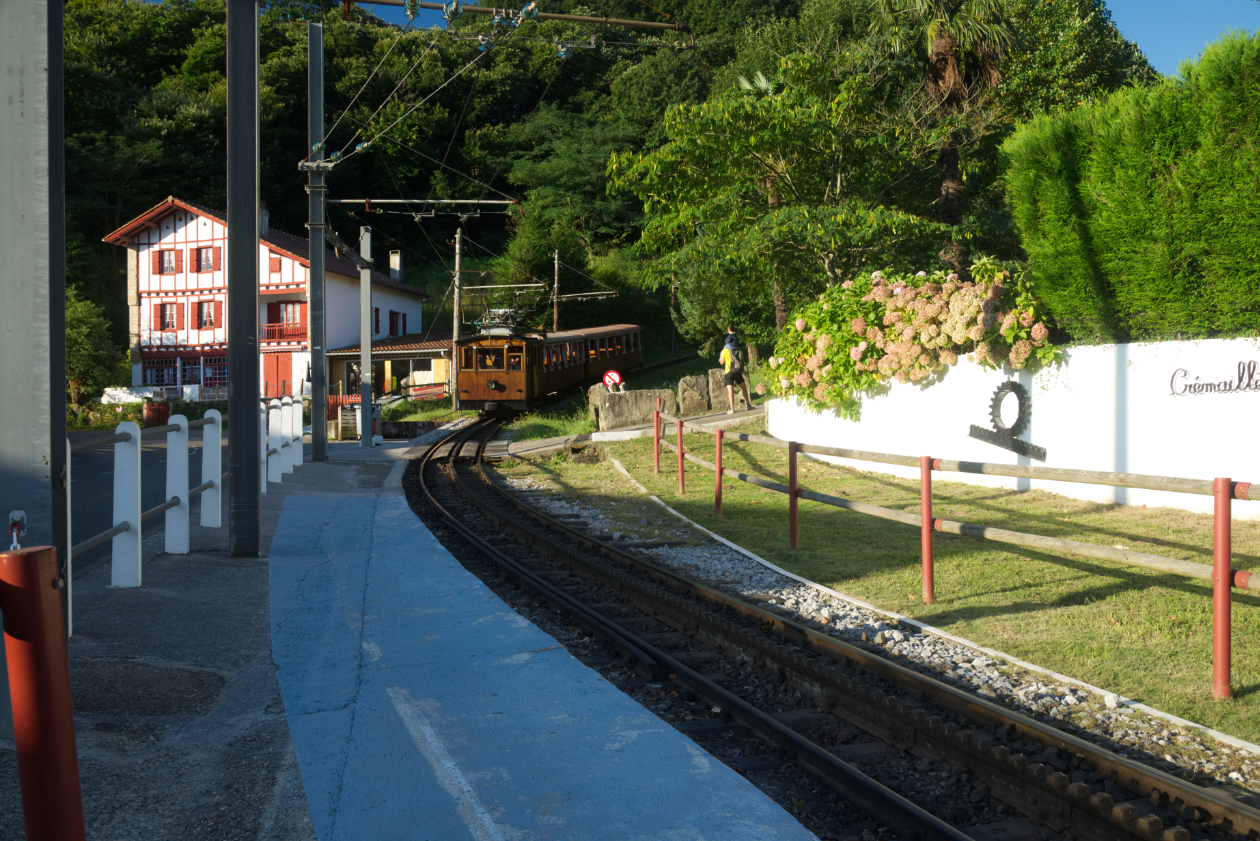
212 470
126 563
274 420
286 434
177 486
262 445
297 431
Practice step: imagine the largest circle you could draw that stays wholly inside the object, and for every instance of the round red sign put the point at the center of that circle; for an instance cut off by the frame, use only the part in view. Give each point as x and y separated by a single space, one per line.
612 378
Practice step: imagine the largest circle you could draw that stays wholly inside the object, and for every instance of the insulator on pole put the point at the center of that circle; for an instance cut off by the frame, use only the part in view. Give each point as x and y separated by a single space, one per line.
364 146
529 11
318 147
453 11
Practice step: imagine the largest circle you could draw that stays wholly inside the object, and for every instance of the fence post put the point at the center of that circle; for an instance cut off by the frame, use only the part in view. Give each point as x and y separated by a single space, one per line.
297 430
39 690
262 445
792 523
177 486
678 425
925 529
1222 581
126 561
212 469
656 437
275 468
717 475
286 435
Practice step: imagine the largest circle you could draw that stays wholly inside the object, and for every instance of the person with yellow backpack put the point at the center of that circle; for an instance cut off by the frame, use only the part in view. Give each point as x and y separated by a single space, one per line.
732 359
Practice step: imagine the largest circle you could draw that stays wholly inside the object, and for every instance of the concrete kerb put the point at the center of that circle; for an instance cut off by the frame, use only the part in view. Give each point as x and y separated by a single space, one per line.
933 630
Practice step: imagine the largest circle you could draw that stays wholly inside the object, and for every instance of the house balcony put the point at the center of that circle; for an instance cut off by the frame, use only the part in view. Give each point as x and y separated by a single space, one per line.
284 332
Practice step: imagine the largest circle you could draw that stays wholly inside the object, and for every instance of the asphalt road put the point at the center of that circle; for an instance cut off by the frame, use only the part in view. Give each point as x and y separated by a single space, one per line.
92 489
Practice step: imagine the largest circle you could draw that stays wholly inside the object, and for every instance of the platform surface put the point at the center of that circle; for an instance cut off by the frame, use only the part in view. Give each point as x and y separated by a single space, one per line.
422 707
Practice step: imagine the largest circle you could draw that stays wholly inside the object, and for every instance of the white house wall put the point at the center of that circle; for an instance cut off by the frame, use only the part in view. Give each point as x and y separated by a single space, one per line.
1122 408
186 231
341 297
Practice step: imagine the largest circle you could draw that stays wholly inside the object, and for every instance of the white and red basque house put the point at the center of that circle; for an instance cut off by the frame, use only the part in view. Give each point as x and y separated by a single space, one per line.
177 296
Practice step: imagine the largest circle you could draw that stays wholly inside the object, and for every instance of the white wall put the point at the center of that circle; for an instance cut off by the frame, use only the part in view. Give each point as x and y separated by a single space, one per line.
1123 408
341 296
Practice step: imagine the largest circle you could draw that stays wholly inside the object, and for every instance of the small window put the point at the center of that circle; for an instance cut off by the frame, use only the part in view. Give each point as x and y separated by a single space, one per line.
591 345
214 372
274 264
161 372
422 365
205 315
603 348
168 317
466 359
514 361
167 262
490 359
291 312
205 259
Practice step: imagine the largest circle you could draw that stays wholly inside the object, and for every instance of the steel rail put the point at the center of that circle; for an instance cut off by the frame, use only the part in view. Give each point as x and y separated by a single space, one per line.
863 791
97 442
93 542
158 509
908 725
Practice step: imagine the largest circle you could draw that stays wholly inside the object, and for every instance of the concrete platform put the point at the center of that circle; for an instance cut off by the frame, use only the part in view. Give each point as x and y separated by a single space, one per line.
422 707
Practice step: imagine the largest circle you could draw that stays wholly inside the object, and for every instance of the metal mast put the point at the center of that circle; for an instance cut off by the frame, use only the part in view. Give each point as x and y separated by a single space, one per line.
365 338
455 319
315 200
244 457
555 297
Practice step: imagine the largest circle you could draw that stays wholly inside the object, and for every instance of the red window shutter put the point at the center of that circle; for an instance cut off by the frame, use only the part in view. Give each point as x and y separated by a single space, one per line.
275 263
302 314
157 261
157 317
273 313
218 258
218 305
376 319
179 260
179 314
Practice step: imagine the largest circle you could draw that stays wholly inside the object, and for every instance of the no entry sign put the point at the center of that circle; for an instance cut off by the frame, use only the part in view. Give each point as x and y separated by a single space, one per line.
612 379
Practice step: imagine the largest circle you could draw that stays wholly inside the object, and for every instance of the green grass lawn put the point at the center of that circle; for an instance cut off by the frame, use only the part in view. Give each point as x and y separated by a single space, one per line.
422 410
1130 630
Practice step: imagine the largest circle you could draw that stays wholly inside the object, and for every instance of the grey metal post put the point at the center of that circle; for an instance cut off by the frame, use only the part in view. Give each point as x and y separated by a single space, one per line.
555 297
315 189
32 277
244 496
455 327
365 339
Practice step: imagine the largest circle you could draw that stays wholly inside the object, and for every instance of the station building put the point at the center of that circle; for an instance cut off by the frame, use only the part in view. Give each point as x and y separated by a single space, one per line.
177 298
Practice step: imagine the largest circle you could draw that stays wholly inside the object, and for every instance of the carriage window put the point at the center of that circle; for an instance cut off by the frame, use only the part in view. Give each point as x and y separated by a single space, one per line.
621 344
590 348
466 359
546 356
603 348
490 359
514 358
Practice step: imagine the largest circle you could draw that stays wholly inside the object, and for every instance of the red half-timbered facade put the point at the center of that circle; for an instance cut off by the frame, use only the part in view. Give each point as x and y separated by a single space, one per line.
177 297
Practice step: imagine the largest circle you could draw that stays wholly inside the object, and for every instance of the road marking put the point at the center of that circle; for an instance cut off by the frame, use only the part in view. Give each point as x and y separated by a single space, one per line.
474 815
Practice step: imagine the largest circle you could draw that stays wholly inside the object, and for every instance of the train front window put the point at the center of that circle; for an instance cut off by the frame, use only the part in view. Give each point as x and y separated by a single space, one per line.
466 359
514 358
490 359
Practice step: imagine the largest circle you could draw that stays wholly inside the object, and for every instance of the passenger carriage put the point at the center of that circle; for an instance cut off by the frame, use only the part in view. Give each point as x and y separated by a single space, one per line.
503 369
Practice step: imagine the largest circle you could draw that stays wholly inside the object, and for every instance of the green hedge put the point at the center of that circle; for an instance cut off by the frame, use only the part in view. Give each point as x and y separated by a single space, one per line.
1140 214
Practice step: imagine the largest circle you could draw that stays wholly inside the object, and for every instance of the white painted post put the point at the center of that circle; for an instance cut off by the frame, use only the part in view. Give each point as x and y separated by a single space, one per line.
125 569
274 467
212 470
177 486
297 430
262 445
286 434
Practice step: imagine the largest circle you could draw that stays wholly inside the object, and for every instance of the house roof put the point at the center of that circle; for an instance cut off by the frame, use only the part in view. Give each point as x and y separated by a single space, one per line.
292 246
406 343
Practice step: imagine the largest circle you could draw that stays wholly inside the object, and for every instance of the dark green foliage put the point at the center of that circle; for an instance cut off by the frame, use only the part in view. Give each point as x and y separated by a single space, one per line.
1141 213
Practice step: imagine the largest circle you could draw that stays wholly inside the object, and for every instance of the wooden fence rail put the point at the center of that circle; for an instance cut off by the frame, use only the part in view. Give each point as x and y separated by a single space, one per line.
1220 572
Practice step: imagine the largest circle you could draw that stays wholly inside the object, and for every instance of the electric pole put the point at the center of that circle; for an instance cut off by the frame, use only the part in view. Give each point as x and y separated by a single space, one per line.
365 339
555 297
315 201
455 321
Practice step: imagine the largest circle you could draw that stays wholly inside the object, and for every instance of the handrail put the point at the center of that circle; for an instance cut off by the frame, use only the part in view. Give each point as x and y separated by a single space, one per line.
96 442
93 542
200 489
158 509
202 422
170 427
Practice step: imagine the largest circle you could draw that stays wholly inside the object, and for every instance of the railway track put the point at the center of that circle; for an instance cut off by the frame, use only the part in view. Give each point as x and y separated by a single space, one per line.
851 709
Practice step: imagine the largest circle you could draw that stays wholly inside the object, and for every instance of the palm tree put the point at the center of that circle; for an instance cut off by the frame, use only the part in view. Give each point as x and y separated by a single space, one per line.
964 40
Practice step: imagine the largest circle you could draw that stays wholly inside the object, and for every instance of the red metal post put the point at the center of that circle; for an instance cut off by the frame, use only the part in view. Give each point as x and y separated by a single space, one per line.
792 530
925 513
717 475
656 438
678 424
39 688
1222 580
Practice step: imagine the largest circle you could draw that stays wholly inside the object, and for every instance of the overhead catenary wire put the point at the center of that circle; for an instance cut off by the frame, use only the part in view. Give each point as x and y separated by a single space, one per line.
368 81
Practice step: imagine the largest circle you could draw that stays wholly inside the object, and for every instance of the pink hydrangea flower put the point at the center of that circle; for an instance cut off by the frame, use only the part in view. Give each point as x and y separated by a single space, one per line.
801 379
921 274
952 277
855 353
761 388
1026 318
784 382
1040 332
774 363
877 275
848 284
858 325
800 324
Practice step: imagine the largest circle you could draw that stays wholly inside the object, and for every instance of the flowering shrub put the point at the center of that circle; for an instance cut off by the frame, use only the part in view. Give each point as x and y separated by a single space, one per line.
867 331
